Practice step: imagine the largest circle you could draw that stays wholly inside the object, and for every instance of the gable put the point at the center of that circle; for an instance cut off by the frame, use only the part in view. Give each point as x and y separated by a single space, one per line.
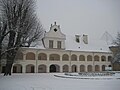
55 32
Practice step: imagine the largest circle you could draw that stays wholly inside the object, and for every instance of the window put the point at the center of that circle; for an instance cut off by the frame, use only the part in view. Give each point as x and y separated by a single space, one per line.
96 58
50 43
109 58
74 57
59 44
54 57
30 56
89 58
65 57
77 38
82 58
42 56
103 58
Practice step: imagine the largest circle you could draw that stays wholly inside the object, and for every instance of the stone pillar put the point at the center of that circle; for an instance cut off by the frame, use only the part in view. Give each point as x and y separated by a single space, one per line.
23 68
36 62
48 68
100 68
70 63
77 58
24 56
86 68
60 57
78 68
106 58
93 68
61 70
47 57
100 59
93 62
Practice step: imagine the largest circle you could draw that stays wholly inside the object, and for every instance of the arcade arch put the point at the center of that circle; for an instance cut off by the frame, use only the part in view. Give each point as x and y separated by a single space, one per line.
42 68
54 68
17 68
65 68
30 56
30 68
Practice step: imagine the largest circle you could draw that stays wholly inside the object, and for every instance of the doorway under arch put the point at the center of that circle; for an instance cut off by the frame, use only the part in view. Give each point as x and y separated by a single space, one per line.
17 68
54 68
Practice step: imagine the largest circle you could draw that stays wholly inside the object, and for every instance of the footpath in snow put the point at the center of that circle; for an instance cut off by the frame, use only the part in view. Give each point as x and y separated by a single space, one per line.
59 81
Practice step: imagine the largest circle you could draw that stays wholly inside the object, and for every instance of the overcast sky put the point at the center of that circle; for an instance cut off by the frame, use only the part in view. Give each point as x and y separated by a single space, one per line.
91 17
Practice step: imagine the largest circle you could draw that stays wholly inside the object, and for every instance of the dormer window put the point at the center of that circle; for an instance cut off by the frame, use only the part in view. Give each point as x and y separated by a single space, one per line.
85 39
55 30
77 38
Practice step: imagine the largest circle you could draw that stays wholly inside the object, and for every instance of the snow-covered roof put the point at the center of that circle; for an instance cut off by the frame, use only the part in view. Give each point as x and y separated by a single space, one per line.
85 43
95 45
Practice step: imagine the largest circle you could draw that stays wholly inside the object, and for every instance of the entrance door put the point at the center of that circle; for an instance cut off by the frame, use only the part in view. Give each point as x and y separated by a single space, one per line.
52 68
32 69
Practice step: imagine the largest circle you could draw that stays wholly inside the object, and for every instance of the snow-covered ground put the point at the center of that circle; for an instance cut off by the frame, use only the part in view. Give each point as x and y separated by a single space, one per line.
49 81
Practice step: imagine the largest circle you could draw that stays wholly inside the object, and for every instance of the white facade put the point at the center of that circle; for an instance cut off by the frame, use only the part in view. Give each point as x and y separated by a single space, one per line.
55 57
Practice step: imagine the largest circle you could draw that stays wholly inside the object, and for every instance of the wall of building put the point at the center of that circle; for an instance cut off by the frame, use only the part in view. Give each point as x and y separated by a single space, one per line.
33 60
43 60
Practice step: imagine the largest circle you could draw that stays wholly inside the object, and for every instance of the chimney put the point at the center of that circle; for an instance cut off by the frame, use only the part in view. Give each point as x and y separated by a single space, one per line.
85 39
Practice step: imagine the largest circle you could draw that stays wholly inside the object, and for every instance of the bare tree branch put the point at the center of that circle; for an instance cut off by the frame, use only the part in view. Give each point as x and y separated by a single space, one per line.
22 27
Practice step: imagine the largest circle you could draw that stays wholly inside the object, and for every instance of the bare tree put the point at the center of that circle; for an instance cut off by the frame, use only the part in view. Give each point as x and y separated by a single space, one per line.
3 28
23 27
116 49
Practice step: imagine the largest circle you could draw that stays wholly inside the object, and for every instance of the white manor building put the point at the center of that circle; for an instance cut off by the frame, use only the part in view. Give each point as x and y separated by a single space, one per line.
63 53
